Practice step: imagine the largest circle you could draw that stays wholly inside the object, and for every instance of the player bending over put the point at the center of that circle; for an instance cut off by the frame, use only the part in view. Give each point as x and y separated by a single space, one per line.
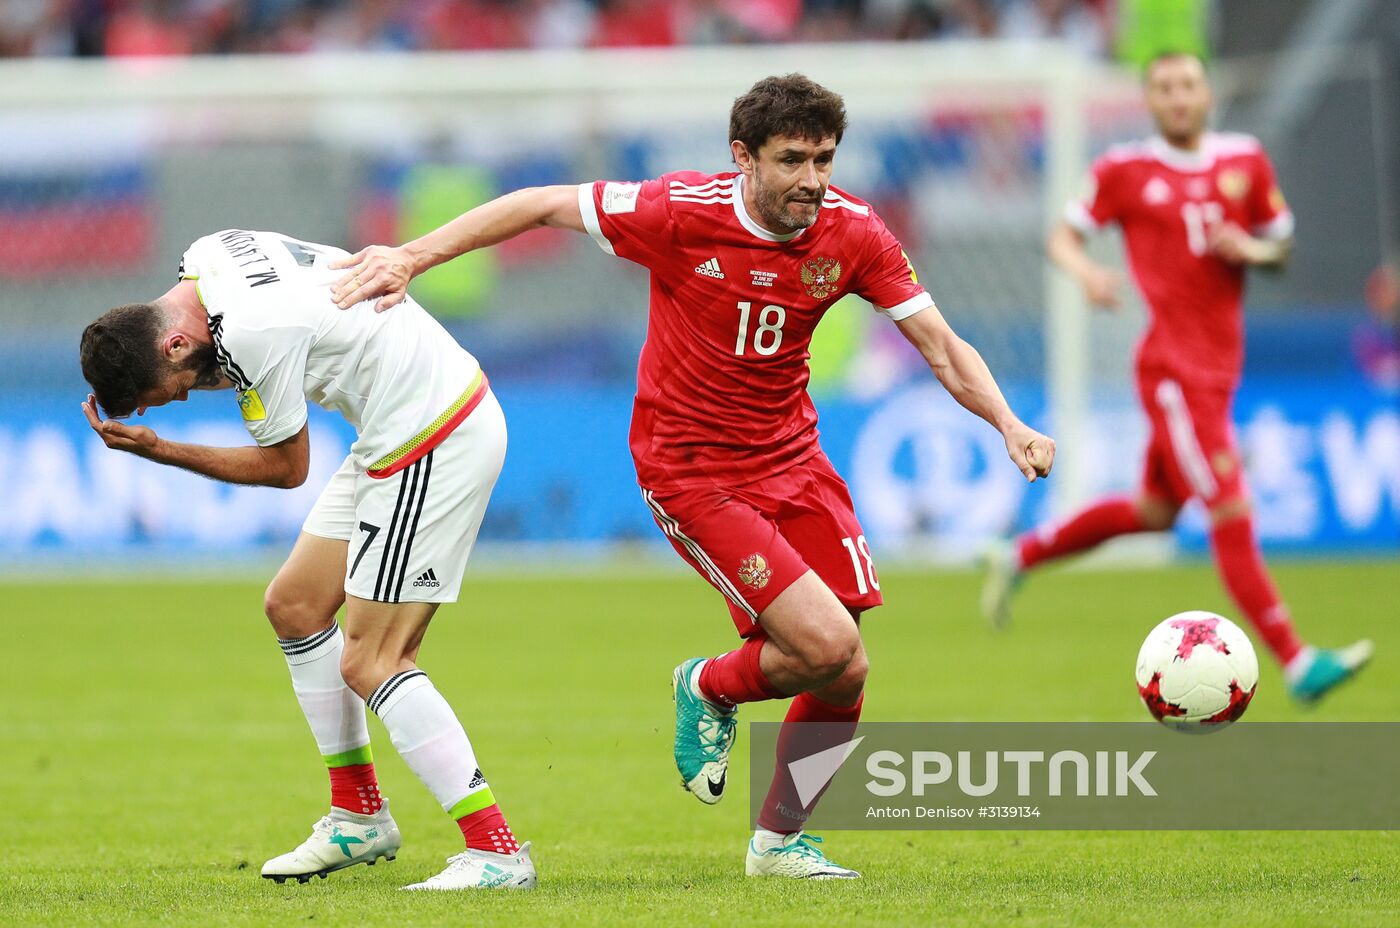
743 266
389 536
1196 208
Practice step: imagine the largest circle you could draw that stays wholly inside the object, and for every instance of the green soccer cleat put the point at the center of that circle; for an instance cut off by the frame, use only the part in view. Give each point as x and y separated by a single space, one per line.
1323 670
704 735
797 858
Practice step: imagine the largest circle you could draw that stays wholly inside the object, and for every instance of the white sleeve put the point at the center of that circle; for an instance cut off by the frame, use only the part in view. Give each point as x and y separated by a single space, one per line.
1080 219
268 367
1277 229
589 209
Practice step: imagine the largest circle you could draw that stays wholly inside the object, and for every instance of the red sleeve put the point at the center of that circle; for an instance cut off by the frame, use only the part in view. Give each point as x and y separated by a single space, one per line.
1269 215
1100 203
628 219
888 279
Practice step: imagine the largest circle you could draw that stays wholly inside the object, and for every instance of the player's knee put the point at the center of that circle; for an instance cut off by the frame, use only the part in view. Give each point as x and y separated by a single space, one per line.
1157 515
1236 507
293 616
846 689
827 654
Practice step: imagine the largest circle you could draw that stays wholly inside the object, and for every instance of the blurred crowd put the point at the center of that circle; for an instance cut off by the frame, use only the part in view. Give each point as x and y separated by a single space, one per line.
191 27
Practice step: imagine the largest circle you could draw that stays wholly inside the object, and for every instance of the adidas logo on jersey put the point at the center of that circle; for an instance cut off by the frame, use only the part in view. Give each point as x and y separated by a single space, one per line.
428 579
477 779
711 269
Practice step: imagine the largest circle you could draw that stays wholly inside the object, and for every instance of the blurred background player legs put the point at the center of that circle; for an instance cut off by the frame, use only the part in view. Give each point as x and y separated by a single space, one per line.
1198 460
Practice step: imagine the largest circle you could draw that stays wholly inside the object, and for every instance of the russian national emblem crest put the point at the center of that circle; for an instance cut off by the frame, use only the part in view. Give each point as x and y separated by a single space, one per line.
820 277
754 571
1234 183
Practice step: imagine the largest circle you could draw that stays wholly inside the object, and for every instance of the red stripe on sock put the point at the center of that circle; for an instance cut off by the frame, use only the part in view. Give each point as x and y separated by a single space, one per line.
782 810
356 789
486 830
736 677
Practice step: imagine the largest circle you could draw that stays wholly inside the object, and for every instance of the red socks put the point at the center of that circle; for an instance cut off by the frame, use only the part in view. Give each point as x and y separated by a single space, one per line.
735 677
1245 576
486 830
783 810
355 789
1086 529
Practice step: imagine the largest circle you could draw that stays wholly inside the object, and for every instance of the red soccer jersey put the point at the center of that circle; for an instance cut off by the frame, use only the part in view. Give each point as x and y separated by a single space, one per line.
1166 201
721 385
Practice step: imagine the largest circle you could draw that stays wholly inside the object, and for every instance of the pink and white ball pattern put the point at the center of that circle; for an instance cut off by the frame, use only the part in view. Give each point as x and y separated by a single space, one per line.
1197 672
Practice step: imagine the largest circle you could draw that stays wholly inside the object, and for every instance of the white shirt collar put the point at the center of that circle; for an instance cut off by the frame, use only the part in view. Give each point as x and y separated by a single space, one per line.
748 222
1202 159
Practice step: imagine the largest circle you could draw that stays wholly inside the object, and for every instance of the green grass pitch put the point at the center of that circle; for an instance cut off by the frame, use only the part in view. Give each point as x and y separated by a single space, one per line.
152 756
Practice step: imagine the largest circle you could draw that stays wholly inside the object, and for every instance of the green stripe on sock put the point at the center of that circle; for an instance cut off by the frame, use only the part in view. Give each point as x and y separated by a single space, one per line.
350 758
473 803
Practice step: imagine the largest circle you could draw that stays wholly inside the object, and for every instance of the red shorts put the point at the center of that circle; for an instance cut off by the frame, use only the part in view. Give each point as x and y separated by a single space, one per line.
1192 451
752 542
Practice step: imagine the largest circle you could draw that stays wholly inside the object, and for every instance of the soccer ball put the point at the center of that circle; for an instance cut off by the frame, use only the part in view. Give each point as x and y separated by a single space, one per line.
1197 672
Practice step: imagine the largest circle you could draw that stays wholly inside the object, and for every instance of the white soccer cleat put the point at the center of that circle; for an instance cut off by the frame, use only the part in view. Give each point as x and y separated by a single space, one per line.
339 840
1003 576
797 858
474 869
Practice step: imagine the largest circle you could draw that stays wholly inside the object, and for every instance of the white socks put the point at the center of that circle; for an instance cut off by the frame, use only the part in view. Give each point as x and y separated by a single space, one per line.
336 715
765 840
427 735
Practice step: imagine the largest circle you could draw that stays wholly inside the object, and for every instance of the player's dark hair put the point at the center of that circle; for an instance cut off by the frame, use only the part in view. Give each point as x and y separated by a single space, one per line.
793 105
121 358
1168 54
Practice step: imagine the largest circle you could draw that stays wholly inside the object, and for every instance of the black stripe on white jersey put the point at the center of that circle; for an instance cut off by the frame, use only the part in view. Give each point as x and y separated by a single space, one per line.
427 464
231 368
415 472
389 535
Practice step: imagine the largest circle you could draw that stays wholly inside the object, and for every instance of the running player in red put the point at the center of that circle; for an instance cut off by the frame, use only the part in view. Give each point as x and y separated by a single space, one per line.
1197 208
743 266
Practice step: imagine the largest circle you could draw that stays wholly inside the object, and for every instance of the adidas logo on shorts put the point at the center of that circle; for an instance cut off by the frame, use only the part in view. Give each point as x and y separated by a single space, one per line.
711 269
478 779
428 579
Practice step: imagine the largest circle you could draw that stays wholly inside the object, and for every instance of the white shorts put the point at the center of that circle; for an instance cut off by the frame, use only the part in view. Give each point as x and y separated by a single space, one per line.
410 534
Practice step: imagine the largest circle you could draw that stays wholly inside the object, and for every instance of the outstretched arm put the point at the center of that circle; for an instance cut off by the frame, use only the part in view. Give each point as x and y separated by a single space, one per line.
964 374
284 464
381 271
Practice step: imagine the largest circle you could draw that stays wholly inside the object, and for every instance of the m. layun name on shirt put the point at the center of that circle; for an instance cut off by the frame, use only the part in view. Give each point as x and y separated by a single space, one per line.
244 250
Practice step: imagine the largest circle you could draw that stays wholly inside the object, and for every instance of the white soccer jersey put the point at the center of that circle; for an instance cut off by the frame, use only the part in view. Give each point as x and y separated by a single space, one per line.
282 342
